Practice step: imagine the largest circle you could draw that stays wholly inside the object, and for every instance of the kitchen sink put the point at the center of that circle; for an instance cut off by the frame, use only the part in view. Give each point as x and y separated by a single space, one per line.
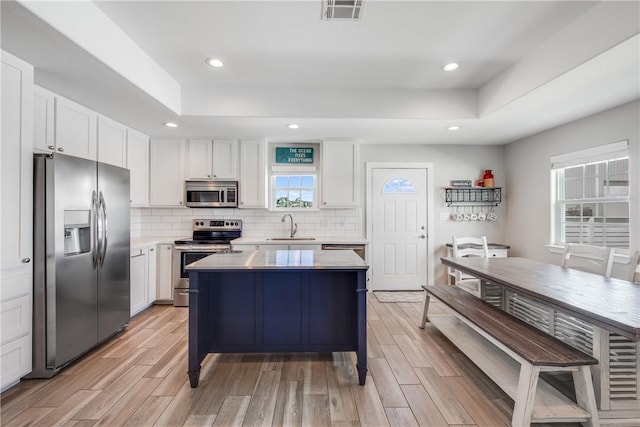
290 238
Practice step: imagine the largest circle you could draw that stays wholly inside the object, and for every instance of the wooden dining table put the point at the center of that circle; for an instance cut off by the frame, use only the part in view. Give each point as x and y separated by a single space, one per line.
599 315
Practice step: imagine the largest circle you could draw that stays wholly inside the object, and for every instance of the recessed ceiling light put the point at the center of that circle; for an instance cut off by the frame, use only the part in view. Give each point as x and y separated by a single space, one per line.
171 124
451 66
454 127
293 126
216 63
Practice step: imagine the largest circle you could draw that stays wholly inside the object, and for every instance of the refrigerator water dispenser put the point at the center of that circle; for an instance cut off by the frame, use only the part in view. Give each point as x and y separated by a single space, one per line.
77 232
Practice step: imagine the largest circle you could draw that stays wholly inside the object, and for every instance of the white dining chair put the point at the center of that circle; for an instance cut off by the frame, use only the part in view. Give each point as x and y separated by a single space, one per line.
469 247
634 268
594 259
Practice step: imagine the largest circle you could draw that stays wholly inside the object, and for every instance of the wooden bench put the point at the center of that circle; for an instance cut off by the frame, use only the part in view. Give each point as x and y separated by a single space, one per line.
513 353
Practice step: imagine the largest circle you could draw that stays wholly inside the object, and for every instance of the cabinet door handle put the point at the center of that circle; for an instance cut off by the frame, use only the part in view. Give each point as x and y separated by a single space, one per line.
26 260
51 147
60 149
150 249
423 236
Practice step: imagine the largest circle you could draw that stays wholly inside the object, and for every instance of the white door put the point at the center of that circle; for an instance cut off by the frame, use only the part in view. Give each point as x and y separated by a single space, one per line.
399 229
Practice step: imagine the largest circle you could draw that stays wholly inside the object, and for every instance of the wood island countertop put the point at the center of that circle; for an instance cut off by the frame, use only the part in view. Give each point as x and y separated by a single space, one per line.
272 259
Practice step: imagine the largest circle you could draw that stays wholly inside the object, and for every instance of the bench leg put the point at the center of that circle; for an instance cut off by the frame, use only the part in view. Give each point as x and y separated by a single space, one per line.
585 396
424 318
525 395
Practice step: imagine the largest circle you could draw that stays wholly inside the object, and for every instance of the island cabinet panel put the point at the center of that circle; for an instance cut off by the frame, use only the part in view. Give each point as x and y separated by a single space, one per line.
281 311
332 304
232 310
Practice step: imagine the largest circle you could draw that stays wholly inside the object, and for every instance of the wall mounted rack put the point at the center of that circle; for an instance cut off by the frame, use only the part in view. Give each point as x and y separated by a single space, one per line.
474 196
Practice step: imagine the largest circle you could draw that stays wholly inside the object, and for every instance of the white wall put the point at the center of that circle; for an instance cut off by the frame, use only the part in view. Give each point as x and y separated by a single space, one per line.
528 175
449 162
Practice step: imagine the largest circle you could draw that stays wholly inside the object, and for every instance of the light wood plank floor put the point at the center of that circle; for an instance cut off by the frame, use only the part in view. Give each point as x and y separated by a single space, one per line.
416 378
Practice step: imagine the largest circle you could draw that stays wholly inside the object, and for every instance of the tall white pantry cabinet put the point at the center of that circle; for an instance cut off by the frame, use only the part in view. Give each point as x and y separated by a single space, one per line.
16 201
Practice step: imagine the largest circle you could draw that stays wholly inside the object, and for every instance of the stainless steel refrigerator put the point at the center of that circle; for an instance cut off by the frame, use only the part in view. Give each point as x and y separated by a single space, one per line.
81 258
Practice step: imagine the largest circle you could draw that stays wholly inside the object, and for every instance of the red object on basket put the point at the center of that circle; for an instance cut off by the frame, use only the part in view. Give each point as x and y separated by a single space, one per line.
488 178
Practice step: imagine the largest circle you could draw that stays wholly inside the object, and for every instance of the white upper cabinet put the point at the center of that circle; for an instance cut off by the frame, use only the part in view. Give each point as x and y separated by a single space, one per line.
75 130
138 164
211 159
225 159
252 174
199 159
112 142
166 177
43 120
339 174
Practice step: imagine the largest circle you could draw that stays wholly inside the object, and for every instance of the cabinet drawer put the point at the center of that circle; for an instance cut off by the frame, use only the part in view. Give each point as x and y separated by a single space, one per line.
16 283
15 360
15 318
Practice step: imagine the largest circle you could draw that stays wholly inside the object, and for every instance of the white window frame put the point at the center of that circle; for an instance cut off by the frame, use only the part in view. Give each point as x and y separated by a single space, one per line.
276 169
559 163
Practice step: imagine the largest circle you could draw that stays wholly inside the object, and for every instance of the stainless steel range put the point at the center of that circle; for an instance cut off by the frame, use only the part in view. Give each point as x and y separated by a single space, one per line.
210 236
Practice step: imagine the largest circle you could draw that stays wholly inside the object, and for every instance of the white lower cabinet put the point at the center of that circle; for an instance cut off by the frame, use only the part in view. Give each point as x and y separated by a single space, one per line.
152 269
165 277
15 360
139 278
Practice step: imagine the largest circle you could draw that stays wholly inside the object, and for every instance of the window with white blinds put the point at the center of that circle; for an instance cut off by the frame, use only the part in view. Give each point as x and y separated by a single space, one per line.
591 190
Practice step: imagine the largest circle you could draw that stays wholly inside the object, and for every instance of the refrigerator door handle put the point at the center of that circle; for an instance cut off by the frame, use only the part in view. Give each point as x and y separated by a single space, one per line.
103 239
95 243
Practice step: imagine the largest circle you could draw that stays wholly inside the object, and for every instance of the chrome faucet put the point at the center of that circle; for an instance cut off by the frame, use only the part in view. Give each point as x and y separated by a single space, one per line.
294 226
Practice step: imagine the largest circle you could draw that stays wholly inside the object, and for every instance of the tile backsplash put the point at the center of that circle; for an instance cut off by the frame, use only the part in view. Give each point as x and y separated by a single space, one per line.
177 222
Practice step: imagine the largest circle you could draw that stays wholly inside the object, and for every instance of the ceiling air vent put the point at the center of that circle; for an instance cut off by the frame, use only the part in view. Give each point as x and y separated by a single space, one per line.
341 10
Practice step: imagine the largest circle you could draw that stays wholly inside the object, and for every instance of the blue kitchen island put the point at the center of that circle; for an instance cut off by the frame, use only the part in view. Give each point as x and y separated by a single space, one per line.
277 301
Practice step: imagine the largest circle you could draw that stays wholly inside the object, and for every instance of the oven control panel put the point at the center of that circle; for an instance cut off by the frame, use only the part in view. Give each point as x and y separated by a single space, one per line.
217 224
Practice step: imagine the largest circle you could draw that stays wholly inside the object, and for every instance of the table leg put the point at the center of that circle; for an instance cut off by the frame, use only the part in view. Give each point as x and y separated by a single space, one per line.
194 377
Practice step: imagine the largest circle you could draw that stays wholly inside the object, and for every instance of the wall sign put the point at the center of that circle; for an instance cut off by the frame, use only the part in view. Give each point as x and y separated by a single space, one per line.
294 155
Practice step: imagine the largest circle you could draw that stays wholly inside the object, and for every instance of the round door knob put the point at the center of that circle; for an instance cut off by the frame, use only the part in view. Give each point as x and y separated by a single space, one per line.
180 202
150 249
208 176
215 176
61 149
423 236
26 260
51 147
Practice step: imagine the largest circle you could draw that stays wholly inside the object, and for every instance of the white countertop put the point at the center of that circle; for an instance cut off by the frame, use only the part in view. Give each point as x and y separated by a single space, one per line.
317 241
141 242
281 259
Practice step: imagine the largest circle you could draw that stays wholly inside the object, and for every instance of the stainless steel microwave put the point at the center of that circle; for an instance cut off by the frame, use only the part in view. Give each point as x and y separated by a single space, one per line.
211 194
